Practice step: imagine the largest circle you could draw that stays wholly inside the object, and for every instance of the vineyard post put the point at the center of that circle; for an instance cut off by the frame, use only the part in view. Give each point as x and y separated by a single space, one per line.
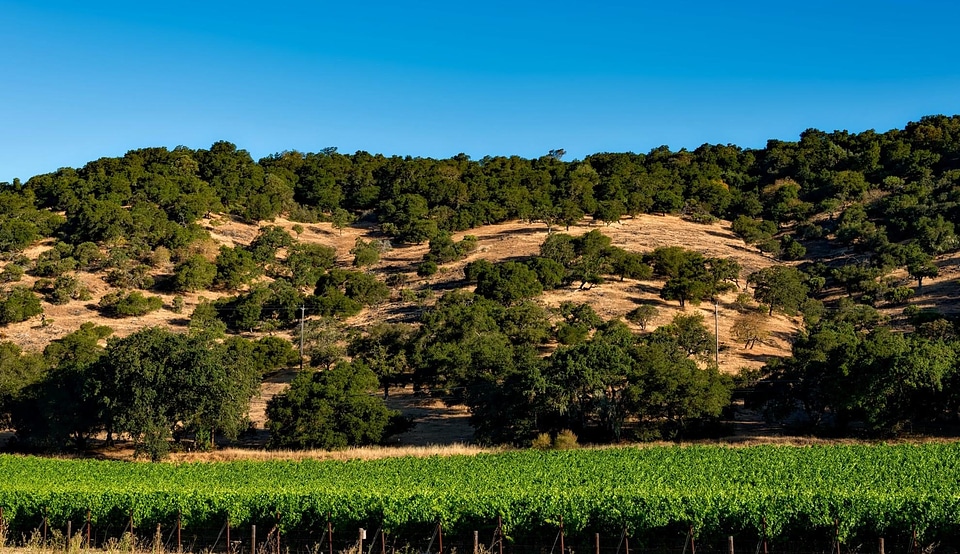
626 544
500 533
363 533
730 544
1 516
440 535
278 532
179 528
596 540
330 532
562 550
765 536
229 548
383 541
881 546
693 547
158 540
476 541
44 526
836 525
69 531
253 539
88 529
131 522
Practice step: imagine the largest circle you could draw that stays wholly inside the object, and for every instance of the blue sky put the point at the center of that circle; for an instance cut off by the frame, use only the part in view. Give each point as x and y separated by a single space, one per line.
83 80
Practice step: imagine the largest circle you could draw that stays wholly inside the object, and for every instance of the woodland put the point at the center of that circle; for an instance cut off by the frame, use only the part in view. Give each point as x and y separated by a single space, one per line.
854 225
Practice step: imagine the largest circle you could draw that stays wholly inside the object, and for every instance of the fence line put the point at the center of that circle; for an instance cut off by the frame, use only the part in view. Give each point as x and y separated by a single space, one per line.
208 539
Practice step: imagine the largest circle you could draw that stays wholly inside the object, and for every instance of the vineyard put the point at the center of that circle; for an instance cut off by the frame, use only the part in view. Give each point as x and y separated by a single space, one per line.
851 492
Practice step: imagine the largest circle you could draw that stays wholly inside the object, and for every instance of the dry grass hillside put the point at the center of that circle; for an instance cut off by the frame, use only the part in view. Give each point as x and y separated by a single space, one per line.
496 243
438 423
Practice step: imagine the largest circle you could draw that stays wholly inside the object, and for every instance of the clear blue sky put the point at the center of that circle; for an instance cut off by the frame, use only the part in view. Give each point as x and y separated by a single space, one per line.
83 80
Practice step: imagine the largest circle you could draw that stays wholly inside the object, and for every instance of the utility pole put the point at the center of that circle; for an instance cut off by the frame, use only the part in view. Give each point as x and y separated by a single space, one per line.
302 316
716 328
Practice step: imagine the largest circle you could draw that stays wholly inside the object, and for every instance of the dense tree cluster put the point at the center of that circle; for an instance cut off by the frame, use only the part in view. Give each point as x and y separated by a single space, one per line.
850 371
150 386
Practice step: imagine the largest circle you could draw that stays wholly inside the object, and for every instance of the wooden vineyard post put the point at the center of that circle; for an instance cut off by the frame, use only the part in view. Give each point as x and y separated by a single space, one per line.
765 536
253 539
440 536
278 532
69 531
562 549
229 547
730 545
693 547
383 542
88 529
836 526
500 533
881 546
596 540
330 533
133 538
476 542
157 540
363 533
179 528
44 526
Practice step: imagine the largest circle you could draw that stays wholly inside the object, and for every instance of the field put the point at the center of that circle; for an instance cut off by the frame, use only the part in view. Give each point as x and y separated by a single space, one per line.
858 492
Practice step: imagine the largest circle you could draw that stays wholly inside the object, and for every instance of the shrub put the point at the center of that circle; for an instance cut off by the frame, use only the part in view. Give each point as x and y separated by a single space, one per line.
18 304
426 269
565 440
118 304
542 442
67 288
11 273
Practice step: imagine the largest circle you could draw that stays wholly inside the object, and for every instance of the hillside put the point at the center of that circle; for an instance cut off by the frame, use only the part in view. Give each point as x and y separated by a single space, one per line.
439 423
514 240
201 263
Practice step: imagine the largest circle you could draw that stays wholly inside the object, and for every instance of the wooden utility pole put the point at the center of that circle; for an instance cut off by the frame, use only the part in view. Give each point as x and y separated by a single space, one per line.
716 328
303 310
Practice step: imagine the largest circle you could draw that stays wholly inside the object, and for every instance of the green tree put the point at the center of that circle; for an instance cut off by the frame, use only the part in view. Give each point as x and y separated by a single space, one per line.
688 333
270 239
384 348
781 288
365 253
62 409
235 267
329 409
18 370
153 381
307 262
194 273
508 283
341 218
642 315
